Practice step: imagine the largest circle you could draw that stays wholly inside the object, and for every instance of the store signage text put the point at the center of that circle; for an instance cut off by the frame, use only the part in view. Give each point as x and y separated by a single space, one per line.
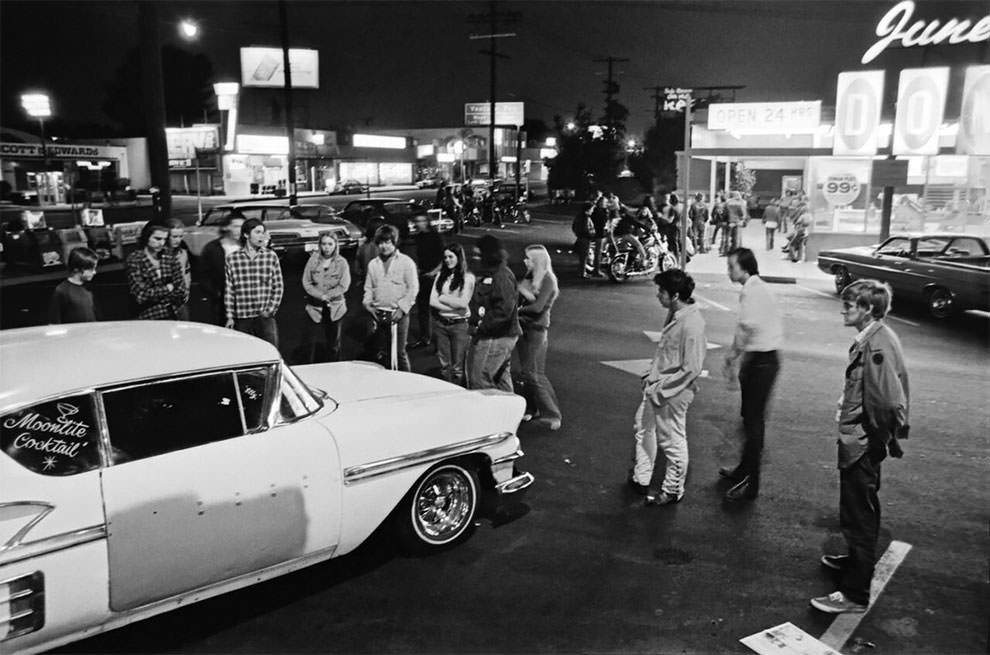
506 113
801 117
57 151
896 26
920 108
676 99
858 102
840 189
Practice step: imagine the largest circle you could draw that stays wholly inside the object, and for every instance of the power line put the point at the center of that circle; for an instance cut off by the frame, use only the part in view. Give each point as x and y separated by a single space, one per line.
611 88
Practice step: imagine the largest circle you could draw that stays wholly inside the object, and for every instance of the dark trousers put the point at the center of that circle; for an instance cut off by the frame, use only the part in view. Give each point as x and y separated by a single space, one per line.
581 247
757 375
859 520
217 310
332 333
259 326
423 318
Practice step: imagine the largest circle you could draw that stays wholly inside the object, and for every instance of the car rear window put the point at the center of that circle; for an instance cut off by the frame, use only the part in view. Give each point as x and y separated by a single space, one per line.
58 437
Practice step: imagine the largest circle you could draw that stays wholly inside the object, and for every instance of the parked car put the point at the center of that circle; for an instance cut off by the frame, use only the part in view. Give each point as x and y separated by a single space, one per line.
329 216
393 211
290 231
947 272
348 187
172 462
429 183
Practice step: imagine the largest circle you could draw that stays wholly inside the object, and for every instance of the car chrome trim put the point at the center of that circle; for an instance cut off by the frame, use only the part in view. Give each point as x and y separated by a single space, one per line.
516 484
52 544
508 458
44 510
363 472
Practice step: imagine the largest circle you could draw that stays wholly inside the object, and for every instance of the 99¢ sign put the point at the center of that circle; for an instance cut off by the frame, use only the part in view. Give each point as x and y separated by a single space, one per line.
840 189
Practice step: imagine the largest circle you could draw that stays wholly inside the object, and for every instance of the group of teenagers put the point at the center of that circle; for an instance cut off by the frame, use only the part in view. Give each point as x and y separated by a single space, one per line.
871 414
475 321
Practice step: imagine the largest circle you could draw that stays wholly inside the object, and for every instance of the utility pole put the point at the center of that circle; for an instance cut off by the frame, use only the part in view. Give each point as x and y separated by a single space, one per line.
153 104
493 19
610 87
657 99
290 130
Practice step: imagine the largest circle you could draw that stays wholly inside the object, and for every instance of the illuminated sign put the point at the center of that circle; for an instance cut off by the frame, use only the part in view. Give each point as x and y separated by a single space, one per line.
60 151
802 117
859 97
896 26
973 137
506 113
920 106
182 142
378 141
548 153
259 144
445 157
676 99
263 67
424 151
840 189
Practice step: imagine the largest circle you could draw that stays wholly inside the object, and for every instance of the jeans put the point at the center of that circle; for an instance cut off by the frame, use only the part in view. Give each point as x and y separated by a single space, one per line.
581 247
540 395
423 318
757 375
770 233
259 326
859 519
663 427
490 362
635 243
379 342
331 331
452 341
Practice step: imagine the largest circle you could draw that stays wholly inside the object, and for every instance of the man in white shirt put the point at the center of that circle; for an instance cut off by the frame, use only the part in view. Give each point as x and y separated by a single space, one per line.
390 290
759 335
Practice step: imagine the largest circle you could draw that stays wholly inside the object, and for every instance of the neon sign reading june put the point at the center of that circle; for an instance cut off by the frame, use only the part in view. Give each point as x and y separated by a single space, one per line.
895 26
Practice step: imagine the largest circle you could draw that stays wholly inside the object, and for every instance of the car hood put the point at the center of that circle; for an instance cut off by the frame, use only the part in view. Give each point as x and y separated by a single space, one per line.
349 382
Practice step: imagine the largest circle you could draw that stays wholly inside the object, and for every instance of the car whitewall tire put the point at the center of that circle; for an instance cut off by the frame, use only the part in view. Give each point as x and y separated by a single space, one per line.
439 511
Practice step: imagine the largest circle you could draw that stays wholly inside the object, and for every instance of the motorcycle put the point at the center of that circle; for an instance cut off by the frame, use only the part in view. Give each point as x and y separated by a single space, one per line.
620 261
519 213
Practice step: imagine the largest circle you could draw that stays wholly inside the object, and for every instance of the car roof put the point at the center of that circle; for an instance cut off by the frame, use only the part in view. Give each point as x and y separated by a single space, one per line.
937 235
54 360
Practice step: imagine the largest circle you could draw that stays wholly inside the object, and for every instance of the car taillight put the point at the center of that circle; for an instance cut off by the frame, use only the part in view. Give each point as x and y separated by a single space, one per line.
22 605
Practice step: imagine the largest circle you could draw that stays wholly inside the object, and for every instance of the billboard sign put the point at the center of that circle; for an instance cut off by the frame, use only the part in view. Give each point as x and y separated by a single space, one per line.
896 27
182 142
920 108
676 99
859 97
801 117
263 67
974 116
506 113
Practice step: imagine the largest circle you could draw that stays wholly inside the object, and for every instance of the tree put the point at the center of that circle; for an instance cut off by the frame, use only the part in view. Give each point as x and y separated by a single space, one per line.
188 82
743 178
658 165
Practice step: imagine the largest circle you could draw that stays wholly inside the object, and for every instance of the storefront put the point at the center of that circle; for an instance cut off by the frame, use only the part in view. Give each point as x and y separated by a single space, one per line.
46 174
258 165
194 159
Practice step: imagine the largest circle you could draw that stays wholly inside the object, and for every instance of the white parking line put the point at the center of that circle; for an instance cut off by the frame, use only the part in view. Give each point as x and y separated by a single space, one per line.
903 320
712 303
819 292
845 624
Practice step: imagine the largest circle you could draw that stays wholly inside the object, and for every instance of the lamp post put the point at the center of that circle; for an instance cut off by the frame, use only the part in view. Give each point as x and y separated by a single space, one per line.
38 105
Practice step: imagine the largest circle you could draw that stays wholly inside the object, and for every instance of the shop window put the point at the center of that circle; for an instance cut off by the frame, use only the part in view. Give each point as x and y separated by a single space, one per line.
160 417
59 437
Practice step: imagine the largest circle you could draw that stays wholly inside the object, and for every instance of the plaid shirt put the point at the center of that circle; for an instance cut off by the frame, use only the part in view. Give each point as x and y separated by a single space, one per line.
254 285
148 285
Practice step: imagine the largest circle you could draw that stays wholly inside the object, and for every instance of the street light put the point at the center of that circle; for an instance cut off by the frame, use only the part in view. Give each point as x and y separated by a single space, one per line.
38 105
571 126
188 29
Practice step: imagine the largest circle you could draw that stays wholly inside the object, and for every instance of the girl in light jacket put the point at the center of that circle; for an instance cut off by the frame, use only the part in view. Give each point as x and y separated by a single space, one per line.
538 291
326 279
450 298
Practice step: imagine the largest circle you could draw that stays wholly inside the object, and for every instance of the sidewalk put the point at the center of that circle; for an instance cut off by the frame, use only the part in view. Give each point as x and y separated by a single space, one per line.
773 267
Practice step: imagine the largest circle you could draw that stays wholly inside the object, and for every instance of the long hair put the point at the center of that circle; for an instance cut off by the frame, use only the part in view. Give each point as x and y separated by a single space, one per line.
542 266
333 239
455 274
150 228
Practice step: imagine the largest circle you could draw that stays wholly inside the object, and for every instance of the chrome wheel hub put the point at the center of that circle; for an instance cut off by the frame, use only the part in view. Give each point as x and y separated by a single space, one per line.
443 506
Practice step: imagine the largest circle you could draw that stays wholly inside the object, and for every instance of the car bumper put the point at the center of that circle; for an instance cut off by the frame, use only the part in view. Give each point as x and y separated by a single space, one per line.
510 483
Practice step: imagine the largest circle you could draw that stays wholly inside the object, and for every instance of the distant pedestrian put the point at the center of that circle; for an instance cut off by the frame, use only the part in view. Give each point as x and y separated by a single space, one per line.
759 335
154 277
72 301
539 290
738 218
599 217
584 232
698 217
668 388
720 219
213 265
450 299
495 318
389 293
429 256
326 279
872 417
771 221
253 286
366 252
178 249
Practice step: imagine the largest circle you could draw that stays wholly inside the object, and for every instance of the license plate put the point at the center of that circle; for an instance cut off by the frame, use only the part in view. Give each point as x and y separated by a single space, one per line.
311 247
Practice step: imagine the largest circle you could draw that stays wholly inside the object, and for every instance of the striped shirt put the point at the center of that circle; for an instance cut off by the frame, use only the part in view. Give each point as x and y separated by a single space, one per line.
254 285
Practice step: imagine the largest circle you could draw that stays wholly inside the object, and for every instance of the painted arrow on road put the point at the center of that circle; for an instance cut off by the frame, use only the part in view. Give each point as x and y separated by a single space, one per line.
638 366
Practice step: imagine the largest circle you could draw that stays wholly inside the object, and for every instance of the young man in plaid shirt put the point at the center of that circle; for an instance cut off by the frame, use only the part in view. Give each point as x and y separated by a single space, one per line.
154 277
253 284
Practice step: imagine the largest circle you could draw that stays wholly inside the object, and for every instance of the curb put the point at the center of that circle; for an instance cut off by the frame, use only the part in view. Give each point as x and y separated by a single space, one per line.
778 279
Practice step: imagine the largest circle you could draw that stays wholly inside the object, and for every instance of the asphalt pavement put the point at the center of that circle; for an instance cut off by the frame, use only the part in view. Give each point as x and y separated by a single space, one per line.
584 567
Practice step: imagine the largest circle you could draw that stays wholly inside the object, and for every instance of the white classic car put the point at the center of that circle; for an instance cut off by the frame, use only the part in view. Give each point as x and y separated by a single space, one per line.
150 464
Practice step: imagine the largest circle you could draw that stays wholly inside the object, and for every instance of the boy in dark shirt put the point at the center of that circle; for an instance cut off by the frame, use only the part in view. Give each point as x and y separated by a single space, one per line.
72 301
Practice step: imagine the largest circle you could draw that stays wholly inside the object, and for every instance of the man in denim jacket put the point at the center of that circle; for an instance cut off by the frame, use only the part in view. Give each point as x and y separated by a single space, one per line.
872 416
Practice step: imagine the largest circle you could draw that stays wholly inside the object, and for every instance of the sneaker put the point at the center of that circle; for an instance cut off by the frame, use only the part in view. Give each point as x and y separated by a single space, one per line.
641 489
837 603
835 562
663 499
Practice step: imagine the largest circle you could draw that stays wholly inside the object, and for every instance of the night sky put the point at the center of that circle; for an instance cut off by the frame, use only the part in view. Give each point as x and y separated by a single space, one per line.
410 64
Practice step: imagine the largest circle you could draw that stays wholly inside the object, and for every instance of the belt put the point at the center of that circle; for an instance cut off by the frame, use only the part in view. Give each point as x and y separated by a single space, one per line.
451 321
